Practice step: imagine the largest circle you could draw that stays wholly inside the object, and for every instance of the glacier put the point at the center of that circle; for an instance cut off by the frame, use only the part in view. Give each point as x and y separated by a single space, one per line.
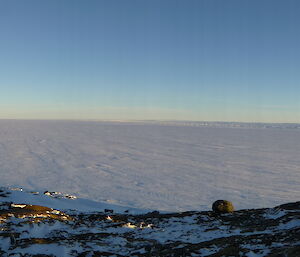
166 166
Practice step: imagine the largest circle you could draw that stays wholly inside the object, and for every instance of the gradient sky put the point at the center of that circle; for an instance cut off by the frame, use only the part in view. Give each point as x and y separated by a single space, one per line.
213 60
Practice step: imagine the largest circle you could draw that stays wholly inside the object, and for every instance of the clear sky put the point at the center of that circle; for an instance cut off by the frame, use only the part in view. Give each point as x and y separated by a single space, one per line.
214 60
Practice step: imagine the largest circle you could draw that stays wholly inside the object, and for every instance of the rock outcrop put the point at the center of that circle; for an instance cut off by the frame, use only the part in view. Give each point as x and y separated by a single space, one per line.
31 230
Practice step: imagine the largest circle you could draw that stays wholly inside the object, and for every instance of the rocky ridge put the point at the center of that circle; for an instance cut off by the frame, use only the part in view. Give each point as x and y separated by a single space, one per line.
36 230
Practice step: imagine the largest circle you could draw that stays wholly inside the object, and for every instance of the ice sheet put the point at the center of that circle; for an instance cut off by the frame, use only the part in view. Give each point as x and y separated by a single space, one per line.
164 166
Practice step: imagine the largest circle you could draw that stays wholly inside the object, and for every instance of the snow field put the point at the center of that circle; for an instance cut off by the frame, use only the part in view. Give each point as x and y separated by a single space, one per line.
153 166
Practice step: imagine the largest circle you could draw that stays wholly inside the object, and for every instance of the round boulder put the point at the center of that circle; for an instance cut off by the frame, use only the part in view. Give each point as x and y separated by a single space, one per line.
222 206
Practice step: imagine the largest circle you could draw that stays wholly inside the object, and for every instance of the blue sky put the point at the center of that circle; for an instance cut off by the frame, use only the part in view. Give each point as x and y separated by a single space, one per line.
208 60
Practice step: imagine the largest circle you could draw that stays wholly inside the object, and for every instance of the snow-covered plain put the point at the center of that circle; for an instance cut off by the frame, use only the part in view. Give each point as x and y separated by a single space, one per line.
162 166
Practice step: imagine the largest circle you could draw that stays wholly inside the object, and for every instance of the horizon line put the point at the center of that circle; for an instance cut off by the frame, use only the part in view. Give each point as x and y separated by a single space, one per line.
144 120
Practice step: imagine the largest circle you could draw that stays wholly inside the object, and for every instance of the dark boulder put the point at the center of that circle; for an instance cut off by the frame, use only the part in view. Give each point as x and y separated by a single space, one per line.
222 206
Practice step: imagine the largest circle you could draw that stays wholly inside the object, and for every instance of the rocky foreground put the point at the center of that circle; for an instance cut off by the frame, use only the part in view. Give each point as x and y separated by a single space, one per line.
35 230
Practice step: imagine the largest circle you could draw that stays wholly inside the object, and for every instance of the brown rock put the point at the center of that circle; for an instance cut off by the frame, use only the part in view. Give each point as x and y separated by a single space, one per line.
222 206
